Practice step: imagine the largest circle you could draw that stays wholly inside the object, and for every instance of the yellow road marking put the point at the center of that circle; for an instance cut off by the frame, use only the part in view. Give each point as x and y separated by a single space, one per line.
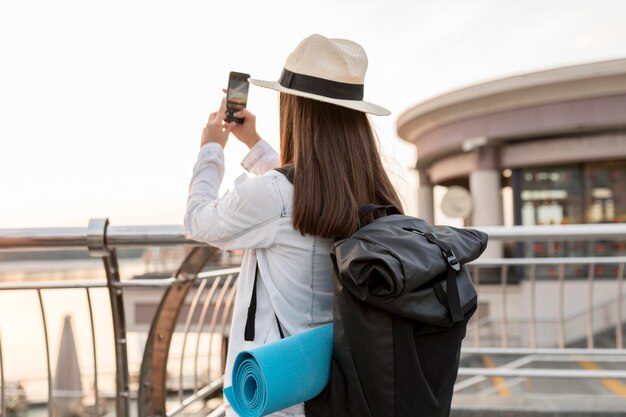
498 381
613 385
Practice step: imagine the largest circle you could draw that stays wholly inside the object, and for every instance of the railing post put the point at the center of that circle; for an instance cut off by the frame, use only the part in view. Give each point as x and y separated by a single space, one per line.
3 401
619 342
152 379
97 245
44 321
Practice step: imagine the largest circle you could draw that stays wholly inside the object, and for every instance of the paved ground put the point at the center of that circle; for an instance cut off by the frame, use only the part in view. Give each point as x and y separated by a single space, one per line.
555 396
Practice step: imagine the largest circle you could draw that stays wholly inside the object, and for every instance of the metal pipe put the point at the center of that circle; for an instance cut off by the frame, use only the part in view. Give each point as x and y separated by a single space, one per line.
504 322
66 285
95 357
517 363
564 232
47 343
147 283
590 280
225 316
476 319
561 305
205 307
619 341
216 309
211 388
549 261
533 306
66 237
137 283
540 351
542 373
219 273
77 237
3 400
192 309
167 235
9 286
618 359
152 392
220 411
227 307
122 400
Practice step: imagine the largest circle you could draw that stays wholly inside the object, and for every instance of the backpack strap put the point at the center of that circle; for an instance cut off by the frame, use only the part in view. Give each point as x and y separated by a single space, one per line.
249 331
287 171
371 208
454 300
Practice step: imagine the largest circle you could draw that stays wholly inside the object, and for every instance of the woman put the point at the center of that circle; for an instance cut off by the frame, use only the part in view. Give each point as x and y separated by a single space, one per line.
328 144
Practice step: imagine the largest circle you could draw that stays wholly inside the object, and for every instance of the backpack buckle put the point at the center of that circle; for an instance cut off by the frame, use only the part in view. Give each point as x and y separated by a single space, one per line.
453 261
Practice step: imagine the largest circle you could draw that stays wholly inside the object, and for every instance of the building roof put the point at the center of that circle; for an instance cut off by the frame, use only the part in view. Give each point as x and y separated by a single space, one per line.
537 88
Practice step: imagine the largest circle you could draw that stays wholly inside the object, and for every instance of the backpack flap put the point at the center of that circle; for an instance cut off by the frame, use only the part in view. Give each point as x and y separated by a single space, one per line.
393 265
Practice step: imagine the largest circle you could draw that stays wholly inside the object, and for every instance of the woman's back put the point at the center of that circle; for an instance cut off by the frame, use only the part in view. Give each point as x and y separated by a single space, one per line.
289 227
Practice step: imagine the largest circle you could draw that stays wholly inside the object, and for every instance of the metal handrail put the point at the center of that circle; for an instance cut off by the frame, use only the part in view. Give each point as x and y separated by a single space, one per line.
556 232
78 237
580 260
172 235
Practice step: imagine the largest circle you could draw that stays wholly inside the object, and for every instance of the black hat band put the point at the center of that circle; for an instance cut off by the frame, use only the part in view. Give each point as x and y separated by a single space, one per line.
321 86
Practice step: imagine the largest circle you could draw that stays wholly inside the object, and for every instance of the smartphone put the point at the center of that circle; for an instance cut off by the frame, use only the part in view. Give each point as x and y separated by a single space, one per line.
237 95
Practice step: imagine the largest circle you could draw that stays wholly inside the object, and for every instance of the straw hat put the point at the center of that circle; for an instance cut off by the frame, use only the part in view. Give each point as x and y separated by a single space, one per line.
329 70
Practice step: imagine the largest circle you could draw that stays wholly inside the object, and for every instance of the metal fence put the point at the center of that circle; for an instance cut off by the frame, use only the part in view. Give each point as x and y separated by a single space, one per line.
501 328
212 296
529 333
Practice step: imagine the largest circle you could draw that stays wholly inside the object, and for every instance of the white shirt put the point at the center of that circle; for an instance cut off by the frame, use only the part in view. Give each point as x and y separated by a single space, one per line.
295 271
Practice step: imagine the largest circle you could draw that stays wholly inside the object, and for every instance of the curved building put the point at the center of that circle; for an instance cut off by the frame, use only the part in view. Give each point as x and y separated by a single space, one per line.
556 137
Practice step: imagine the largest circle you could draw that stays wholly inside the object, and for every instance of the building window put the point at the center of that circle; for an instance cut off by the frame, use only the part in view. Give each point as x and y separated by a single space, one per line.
593 192
550 195
605 189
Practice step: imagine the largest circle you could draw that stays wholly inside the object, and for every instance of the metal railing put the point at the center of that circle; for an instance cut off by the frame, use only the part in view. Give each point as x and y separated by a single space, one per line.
498 324
214 291
212 295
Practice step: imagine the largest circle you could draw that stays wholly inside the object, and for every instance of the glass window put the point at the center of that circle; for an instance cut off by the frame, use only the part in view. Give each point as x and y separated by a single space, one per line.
605 192
550 195
593 192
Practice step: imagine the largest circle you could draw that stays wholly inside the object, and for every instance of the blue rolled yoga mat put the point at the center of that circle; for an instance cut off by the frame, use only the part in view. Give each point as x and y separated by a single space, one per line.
278 375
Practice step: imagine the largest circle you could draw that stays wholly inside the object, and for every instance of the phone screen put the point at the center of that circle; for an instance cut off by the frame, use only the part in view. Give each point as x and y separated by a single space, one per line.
237 96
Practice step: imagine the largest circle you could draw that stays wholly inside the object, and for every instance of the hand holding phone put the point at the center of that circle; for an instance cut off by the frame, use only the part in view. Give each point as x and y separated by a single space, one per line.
236 95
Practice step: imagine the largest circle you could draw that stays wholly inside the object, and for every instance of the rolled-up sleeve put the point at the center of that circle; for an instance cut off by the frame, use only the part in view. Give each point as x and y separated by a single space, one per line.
261 158
245 217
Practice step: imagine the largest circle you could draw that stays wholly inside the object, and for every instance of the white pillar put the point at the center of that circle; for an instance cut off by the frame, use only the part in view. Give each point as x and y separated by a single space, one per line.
487 198
425 199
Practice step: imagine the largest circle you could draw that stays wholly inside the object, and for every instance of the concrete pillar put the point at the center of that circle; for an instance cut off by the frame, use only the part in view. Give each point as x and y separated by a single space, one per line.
425 198
486 196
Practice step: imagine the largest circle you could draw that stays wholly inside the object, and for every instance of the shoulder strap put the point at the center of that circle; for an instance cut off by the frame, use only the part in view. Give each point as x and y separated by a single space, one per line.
374 208
248 334
370 208
454 299
287 171
249 331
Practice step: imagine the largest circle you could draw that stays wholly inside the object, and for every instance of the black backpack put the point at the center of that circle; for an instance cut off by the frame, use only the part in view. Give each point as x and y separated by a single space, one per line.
402 300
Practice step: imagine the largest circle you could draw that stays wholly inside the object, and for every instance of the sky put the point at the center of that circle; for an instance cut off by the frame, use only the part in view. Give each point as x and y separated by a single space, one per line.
102 103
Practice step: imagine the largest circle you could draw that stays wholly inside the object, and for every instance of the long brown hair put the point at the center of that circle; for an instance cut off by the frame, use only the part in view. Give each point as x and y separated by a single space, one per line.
337 166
